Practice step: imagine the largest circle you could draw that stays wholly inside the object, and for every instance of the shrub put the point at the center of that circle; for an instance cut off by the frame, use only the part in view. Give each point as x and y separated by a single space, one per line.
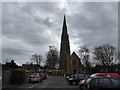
18 76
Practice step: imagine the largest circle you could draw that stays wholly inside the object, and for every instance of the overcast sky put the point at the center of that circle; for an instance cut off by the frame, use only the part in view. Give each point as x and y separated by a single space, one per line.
31 27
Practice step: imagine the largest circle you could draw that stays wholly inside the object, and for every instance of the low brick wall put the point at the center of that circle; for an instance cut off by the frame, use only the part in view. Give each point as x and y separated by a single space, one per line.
6 77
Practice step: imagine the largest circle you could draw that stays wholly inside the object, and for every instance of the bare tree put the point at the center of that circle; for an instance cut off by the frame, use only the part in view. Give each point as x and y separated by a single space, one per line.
118 56
105 54
36 58
52 57
84 52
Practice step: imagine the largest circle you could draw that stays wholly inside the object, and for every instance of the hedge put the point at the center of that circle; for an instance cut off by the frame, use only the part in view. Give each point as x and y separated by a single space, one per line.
18 76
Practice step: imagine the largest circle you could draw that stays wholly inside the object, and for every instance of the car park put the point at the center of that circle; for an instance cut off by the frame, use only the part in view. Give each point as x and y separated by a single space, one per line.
100 83
35 77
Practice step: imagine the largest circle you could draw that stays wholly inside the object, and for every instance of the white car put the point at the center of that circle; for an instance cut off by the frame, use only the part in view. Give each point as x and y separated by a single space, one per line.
35 77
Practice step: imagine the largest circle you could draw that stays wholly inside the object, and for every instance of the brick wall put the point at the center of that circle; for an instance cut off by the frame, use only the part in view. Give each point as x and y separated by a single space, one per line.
6 77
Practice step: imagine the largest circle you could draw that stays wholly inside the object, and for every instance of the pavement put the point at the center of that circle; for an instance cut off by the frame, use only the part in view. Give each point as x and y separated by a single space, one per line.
0 84
53 83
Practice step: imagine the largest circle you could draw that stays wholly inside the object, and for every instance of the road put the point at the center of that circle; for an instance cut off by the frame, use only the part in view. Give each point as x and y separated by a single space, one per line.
53 82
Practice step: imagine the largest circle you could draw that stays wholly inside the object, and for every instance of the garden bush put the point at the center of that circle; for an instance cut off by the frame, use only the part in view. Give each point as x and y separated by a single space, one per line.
18 76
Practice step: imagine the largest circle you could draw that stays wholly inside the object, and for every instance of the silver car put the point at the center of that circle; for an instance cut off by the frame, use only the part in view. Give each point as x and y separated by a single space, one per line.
35 77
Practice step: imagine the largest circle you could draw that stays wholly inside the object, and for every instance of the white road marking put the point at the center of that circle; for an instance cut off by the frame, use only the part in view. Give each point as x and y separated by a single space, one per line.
33 85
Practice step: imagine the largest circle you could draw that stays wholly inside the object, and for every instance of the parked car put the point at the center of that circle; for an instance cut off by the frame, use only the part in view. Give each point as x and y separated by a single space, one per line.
81 83
44 76
35 77
100 83
114 75
76 78
68 76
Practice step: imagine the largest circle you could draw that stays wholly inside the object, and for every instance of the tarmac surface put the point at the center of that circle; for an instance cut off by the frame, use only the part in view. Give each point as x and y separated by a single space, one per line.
53 83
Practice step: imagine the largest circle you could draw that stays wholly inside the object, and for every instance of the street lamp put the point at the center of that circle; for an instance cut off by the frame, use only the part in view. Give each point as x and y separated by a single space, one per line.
83 54
42 65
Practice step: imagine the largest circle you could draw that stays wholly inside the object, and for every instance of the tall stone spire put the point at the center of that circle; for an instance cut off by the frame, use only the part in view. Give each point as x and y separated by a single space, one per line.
64 24
65 62
64 31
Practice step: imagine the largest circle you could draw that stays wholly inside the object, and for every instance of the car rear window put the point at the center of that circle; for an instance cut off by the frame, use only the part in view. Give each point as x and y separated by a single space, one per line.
34 75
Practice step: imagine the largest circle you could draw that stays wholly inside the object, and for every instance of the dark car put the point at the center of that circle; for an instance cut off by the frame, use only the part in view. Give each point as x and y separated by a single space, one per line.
100 83
76 78
68 76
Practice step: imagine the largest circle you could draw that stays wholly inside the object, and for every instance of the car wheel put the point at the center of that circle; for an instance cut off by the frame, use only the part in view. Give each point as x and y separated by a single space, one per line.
81 88
74 83
29 81
70 83
41 80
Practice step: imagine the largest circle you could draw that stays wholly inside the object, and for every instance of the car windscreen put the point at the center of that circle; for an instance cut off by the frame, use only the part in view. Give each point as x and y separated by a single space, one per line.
83 76
88 80
34 75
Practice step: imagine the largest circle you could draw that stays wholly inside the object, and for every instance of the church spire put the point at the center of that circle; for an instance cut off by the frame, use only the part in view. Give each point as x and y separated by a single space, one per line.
65 61
64 21
64 28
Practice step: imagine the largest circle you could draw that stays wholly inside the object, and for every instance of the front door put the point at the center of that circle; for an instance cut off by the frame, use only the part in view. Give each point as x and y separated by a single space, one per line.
74 71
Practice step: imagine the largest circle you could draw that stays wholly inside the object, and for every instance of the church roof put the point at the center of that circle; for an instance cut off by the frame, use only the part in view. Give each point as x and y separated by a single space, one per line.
74 54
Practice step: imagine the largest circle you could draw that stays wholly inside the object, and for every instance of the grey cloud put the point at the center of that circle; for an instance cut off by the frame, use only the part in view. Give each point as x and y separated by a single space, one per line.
38 25
96 25
44 21
22 27
94 16
14 51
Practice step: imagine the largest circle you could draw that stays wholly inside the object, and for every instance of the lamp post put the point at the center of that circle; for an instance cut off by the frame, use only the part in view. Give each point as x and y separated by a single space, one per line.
42 65
84 55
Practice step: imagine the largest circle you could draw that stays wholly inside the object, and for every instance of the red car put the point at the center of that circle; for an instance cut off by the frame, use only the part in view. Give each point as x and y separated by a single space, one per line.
114 75
81 83
44 76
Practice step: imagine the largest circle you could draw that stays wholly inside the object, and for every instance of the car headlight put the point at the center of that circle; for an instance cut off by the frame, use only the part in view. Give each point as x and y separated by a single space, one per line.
70 78
67 77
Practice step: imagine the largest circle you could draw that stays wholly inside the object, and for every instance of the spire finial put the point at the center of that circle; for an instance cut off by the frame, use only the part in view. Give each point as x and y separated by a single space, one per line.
64 17
64 26
64 22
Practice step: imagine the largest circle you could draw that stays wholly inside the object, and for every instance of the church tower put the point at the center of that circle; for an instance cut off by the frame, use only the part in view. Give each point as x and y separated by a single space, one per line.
65 61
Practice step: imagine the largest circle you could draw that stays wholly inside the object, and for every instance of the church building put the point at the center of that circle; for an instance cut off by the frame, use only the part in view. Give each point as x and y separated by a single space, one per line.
68 63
